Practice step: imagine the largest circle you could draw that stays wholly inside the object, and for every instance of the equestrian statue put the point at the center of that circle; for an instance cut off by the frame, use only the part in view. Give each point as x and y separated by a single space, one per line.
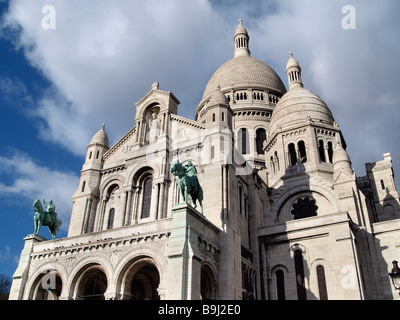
46 217
188 183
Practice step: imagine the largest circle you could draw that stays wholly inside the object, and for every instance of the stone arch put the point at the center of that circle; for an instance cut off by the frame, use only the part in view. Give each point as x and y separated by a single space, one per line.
208 282
155 256
140 169
295 247
83 270
281 212
110 181
112 207
324 282
150 105
47 282
279 276
143 180
92 284
261 136
139 279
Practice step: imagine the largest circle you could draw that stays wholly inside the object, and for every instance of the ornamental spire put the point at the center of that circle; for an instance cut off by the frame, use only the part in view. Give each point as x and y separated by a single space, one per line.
241 40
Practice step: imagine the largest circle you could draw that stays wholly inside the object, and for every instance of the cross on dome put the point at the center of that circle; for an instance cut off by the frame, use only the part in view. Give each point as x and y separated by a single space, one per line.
240 21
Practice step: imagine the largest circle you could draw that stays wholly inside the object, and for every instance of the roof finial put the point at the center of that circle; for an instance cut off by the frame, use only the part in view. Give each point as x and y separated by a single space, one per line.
240 21
103 126
291 54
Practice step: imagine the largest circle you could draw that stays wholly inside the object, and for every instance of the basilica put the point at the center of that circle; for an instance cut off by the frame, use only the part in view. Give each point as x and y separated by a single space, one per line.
267 205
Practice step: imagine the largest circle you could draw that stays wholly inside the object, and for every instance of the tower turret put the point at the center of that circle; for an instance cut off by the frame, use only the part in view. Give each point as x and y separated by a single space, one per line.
218 137
96 149
86 197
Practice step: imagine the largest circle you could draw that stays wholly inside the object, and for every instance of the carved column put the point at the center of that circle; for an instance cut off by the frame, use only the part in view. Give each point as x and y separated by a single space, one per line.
154 201
128 212
161 201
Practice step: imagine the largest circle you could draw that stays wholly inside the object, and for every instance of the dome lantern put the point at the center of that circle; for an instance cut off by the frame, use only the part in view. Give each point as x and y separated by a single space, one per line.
293 72
241 40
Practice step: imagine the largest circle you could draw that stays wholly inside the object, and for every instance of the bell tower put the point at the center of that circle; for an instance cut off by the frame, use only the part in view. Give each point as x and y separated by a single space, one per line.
86 197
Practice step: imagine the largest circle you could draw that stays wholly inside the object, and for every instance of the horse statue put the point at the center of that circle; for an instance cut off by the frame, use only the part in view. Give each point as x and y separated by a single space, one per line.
188 183
47 218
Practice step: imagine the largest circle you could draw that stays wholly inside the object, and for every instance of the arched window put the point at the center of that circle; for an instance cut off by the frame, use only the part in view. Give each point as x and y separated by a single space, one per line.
321 151
260 138
292 155
304 208
299 269
302 152
330 151
276 160
93 285
280 284
272 164
111 219
243 141
323 293
50 288
147 190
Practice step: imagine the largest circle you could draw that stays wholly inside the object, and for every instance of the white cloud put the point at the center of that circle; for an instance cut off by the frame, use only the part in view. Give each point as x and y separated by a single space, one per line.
104 56
353 71
27 180
6 256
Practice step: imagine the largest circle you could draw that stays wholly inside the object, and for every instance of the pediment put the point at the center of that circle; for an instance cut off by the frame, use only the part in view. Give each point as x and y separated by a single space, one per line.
123 146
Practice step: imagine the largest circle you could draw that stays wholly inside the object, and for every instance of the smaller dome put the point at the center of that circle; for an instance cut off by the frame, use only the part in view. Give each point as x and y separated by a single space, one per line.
297 105
101 137
292 63
218 98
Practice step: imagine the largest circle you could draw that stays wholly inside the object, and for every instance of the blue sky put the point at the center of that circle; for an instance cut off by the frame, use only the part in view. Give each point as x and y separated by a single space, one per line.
58 86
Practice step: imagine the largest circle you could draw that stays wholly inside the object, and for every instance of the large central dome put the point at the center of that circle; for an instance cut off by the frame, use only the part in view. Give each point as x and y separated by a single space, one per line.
245 72
246 81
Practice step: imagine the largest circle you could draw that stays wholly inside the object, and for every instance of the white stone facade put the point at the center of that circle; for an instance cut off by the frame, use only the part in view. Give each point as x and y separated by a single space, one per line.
285 216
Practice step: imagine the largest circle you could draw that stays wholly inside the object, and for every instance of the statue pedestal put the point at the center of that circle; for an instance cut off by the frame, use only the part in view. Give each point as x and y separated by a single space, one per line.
184 255
21 274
